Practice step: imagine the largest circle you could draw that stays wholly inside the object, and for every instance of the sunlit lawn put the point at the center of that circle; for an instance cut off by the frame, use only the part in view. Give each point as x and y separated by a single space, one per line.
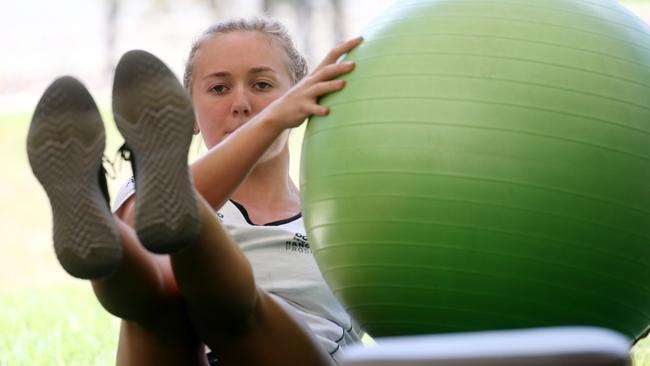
56 325
47 317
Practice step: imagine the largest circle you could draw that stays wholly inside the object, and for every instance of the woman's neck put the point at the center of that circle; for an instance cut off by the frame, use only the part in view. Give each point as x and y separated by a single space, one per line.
268 193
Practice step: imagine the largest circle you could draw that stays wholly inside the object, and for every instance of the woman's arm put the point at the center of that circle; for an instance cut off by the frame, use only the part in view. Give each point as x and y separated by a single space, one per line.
219 172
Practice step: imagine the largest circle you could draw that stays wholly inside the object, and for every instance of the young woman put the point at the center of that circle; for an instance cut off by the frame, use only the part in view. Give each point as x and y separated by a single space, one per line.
233 269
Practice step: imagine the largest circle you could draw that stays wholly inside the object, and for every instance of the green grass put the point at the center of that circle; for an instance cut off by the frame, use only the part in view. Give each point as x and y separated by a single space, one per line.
641 353
59 325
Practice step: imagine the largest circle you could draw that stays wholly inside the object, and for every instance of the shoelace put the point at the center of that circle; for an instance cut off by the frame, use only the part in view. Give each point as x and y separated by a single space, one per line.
123 153
109 170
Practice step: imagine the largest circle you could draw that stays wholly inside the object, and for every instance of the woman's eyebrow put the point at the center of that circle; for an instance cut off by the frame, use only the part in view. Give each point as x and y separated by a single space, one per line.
261 70
218 74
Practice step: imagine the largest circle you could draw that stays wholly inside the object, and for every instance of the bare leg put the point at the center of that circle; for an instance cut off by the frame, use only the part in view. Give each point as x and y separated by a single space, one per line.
155 329
141 346
141 283
240 323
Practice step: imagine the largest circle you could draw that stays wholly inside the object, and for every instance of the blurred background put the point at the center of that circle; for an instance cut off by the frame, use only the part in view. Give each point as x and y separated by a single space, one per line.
46 316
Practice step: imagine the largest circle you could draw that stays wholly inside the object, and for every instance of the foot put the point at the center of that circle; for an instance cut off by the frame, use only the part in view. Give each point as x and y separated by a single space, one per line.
65 146
155 115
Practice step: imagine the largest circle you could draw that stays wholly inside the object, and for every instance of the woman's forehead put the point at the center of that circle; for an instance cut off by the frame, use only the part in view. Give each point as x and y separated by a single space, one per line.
246 44
241 49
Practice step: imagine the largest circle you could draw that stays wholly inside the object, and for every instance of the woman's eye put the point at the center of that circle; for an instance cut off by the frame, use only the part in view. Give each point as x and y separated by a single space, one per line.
262 85
219 89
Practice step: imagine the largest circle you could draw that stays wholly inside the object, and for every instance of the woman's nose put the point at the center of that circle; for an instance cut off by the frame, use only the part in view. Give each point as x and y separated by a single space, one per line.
240 105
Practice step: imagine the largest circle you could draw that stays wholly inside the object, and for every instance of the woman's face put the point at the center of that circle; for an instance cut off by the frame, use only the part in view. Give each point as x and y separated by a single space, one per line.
235 76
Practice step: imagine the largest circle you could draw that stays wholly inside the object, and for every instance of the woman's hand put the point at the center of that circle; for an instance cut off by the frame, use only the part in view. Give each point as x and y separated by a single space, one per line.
301 101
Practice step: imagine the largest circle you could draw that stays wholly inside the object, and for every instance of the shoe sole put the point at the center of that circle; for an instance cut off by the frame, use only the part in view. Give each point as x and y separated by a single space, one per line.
65 145
155 115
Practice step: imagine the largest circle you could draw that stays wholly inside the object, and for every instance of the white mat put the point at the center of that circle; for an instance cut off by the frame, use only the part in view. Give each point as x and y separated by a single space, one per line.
559 346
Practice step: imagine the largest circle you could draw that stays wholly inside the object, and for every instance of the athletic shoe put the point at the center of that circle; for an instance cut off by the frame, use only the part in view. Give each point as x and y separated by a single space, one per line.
155 115
65 145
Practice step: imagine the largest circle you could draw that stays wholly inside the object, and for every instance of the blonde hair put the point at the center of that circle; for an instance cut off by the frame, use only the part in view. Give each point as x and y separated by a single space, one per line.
297 66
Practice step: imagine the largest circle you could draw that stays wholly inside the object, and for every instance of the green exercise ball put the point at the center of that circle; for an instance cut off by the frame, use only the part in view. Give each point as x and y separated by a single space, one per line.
487 167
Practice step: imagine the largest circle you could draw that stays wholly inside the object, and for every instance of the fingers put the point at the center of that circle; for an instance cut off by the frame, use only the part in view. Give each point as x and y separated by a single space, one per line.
320 83
318 110
327 87
339 51
321 89
329 72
